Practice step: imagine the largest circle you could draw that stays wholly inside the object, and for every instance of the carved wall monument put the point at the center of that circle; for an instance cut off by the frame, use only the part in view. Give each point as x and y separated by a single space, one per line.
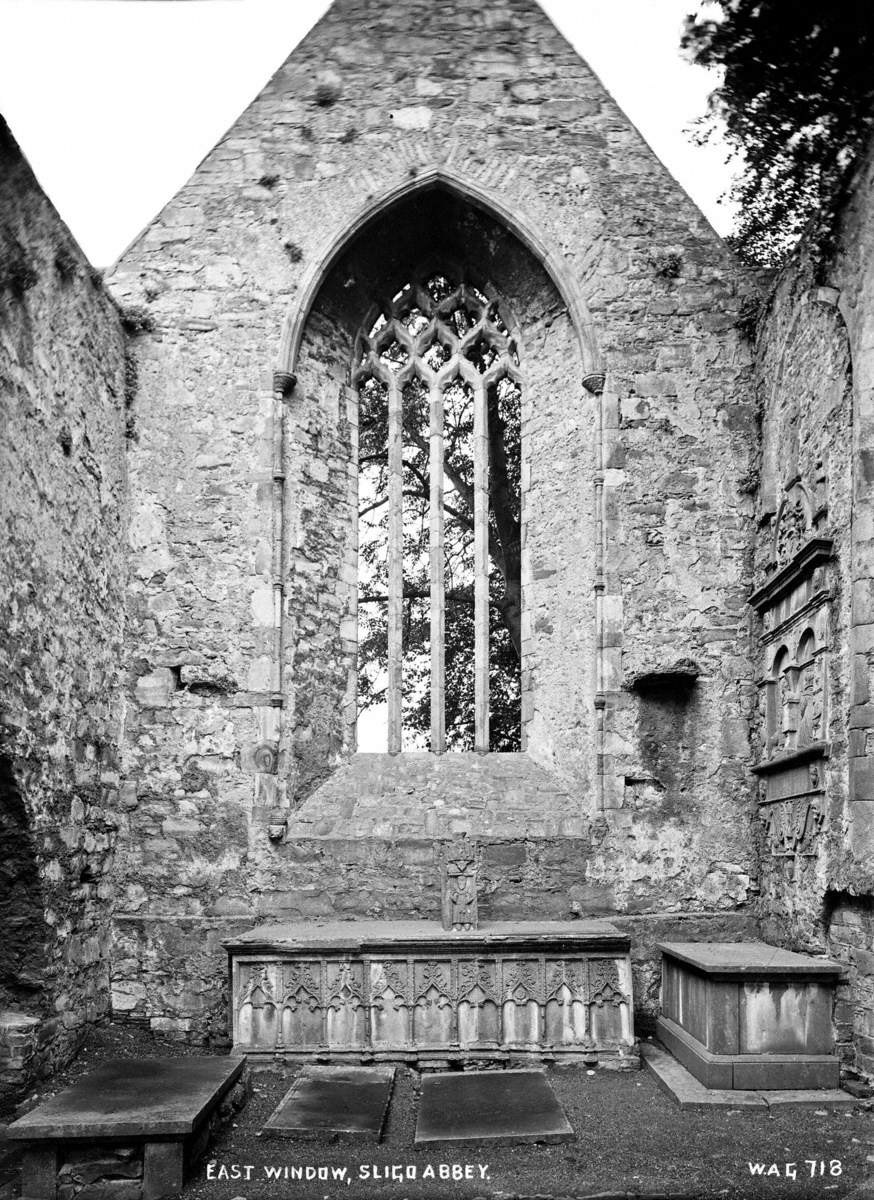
795 610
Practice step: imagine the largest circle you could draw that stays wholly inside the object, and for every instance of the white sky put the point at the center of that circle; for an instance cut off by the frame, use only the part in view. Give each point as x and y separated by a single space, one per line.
115 102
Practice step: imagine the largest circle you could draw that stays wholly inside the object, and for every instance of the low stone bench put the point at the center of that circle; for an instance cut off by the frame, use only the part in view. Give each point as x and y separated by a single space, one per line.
746 1015
125 1131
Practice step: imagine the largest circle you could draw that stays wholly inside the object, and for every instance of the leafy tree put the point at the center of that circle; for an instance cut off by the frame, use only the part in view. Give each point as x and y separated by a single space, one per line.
797 99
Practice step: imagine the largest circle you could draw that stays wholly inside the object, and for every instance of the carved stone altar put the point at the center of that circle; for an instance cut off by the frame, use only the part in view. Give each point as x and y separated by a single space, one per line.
408 990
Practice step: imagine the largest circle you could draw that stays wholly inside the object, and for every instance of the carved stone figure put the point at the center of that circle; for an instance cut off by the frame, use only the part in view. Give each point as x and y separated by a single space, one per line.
790 531
460 868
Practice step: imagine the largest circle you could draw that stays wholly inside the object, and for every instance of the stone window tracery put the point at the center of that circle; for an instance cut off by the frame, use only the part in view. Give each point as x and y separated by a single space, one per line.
438 375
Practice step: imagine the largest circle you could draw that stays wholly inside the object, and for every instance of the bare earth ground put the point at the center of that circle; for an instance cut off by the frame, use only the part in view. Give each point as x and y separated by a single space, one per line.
631 1141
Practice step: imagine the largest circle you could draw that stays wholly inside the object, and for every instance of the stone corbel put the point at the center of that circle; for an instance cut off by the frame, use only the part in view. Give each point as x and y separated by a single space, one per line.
284 384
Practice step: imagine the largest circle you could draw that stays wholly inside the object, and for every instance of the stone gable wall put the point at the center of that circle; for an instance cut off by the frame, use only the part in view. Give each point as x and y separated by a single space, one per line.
62 492
235 487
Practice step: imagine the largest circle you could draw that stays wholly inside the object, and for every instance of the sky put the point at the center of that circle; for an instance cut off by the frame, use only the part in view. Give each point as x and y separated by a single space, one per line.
115 102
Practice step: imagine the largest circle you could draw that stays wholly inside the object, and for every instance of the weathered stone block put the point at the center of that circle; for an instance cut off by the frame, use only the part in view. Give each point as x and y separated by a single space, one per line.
154 690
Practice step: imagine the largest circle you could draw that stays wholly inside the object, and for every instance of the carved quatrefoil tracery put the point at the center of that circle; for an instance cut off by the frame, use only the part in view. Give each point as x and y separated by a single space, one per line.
437 331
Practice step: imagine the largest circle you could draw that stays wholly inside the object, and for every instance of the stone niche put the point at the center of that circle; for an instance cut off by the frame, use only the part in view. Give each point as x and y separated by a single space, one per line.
411 991
795 610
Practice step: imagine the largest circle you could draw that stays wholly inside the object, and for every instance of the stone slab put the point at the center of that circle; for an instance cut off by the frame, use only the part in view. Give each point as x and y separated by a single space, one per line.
369 935
348 1102
689 1093
759 1072
474 1107
133 1097
748 958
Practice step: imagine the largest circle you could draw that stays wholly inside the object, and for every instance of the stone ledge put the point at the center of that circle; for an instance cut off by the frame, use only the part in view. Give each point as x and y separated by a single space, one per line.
734 959
369 935
753 1072
793 758
811 555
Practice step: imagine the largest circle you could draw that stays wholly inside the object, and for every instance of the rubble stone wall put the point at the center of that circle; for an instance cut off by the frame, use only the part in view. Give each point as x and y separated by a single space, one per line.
851 880
238 535
804 380
62 493
815 375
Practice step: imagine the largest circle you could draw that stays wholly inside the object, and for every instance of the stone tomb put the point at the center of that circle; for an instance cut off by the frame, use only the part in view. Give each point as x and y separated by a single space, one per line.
126 1130
347 1103
749 1015
412 991
476 1107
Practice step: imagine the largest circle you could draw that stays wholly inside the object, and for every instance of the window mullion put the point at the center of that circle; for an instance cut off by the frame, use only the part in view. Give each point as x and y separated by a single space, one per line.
438 578
395 563
481 566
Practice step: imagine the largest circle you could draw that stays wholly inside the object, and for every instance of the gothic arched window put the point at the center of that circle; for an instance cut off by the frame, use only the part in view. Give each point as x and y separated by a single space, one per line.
440 516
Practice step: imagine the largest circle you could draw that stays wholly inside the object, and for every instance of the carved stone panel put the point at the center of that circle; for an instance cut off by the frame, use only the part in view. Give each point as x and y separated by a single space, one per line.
791 828
257 1007
567 1003
793 524
345 1004
522 992
301 1004
390 1003
606 1000
479 1002
434 1010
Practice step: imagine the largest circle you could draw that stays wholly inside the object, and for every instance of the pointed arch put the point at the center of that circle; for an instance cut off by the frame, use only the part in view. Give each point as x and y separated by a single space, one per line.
427 218
472 192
